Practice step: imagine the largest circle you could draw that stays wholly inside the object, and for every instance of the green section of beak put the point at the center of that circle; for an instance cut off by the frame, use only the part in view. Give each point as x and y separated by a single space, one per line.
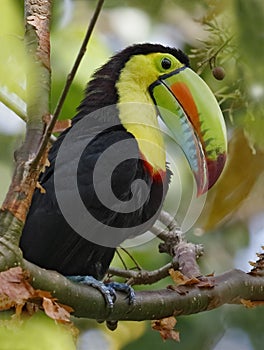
191 112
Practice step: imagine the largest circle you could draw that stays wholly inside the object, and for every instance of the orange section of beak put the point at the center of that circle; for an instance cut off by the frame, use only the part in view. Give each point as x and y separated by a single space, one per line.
184 97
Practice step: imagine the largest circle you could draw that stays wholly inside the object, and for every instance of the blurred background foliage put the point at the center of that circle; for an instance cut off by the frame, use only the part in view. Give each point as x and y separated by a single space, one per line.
226 33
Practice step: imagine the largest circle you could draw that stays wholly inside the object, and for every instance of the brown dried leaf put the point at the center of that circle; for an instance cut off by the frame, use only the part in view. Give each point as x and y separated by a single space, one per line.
55 311
15 289
66 307
179 279
210 274
206 283
191 281
177 276
31 308
62 125
251 303
42 294
165 326
6 303
52 308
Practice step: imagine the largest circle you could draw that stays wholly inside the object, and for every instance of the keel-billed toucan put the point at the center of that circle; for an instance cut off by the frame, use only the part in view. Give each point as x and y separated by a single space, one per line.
117 126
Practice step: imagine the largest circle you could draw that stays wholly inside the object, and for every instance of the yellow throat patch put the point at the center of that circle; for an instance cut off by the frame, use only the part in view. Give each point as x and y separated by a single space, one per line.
137 111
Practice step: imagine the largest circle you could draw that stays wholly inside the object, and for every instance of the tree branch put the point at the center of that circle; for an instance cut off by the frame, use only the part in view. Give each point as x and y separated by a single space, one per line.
31 157
175 244
16 204
14 107
189 296
229 288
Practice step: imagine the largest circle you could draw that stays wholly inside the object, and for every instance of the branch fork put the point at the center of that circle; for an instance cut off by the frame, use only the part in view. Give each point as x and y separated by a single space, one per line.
184 255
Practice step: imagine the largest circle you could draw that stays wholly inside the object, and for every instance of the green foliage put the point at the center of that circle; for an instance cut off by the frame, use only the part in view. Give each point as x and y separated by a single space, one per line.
234 42
36 332
217 48
65 44
12 54
250 37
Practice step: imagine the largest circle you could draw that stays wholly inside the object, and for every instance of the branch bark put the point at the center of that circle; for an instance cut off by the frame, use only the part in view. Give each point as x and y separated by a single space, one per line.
16 204
232 287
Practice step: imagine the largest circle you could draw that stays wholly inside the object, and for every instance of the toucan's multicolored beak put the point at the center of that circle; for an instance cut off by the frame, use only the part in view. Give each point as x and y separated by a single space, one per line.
190 110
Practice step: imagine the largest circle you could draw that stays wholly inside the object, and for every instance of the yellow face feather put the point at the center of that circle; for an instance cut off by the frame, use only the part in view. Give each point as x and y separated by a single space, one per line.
137 111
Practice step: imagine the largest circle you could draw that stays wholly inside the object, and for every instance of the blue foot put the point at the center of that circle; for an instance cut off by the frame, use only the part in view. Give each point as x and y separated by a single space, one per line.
126 288
108 290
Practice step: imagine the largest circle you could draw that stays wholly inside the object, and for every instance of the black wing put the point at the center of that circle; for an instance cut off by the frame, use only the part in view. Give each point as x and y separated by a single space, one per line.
49 240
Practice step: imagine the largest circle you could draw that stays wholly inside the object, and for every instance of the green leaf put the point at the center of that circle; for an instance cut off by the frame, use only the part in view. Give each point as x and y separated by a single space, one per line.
12 53
254 126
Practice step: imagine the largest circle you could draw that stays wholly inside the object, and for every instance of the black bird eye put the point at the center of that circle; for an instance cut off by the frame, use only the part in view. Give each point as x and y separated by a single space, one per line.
166 63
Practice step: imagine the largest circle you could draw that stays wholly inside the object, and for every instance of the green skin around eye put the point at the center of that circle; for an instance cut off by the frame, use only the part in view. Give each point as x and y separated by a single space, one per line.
174 64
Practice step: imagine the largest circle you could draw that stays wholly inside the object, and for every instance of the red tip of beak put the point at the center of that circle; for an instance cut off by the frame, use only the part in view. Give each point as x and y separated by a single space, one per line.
215 168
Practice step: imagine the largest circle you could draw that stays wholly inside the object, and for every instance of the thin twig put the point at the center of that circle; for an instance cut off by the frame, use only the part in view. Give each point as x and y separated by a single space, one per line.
143 276
183 253
69 80
20 112
77 62
131 257
212 58
168 220
121 259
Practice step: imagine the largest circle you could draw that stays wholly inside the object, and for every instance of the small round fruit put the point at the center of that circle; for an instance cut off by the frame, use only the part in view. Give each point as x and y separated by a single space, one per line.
218 73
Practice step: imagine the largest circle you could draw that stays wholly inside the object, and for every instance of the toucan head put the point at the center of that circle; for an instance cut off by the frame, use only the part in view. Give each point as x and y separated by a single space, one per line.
184 102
